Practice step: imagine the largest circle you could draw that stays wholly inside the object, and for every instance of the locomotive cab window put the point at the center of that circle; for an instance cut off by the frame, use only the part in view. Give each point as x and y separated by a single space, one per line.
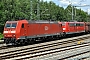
22 25
8 25
63 24
14 25
11 25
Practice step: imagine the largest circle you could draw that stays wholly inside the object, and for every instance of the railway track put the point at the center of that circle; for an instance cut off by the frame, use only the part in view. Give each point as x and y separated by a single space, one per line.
62 41
59 41
29 55
82 56
4 46
33 50
1 41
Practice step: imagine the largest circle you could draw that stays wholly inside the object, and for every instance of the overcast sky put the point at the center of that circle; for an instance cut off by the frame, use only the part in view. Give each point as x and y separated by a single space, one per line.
65 3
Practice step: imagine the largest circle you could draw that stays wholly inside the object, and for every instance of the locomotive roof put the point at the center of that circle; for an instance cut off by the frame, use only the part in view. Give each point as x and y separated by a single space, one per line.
11 21
42 21
88 23
72 22
35 21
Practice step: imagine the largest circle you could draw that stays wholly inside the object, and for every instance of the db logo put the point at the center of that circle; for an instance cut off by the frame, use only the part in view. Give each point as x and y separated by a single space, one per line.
46 28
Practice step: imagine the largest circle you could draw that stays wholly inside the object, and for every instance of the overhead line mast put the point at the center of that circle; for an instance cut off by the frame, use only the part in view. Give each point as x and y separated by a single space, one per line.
38 10
31 9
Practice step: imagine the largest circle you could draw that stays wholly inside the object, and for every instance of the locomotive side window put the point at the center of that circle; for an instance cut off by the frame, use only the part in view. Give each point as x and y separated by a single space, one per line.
81 24
72 24
22 25
77 24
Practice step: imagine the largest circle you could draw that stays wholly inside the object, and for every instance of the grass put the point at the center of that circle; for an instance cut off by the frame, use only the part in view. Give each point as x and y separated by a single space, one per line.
1 35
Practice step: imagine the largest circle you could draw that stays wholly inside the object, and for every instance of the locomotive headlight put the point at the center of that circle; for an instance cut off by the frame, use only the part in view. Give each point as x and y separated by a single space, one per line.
5 31
64 28
13 31
14 35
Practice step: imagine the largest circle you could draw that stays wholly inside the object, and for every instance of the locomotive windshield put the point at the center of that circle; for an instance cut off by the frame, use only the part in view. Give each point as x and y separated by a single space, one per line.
11 25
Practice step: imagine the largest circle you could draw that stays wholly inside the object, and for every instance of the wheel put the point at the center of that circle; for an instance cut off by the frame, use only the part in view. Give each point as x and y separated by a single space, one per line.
22 42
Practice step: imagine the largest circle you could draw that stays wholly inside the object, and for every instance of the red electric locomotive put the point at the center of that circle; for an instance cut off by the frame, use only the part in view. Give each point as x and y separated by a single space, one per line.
24 31
73 27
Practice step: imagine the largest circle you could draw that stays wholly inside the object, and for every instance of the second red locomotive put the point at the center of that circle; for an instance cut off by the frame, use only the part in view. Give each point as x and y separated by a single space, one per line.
73 27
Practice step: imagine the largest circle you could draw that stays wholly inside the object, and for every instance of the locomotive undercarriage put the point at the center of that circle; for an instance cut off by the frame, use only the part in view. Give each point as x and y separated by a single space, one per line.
13 41
10 41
